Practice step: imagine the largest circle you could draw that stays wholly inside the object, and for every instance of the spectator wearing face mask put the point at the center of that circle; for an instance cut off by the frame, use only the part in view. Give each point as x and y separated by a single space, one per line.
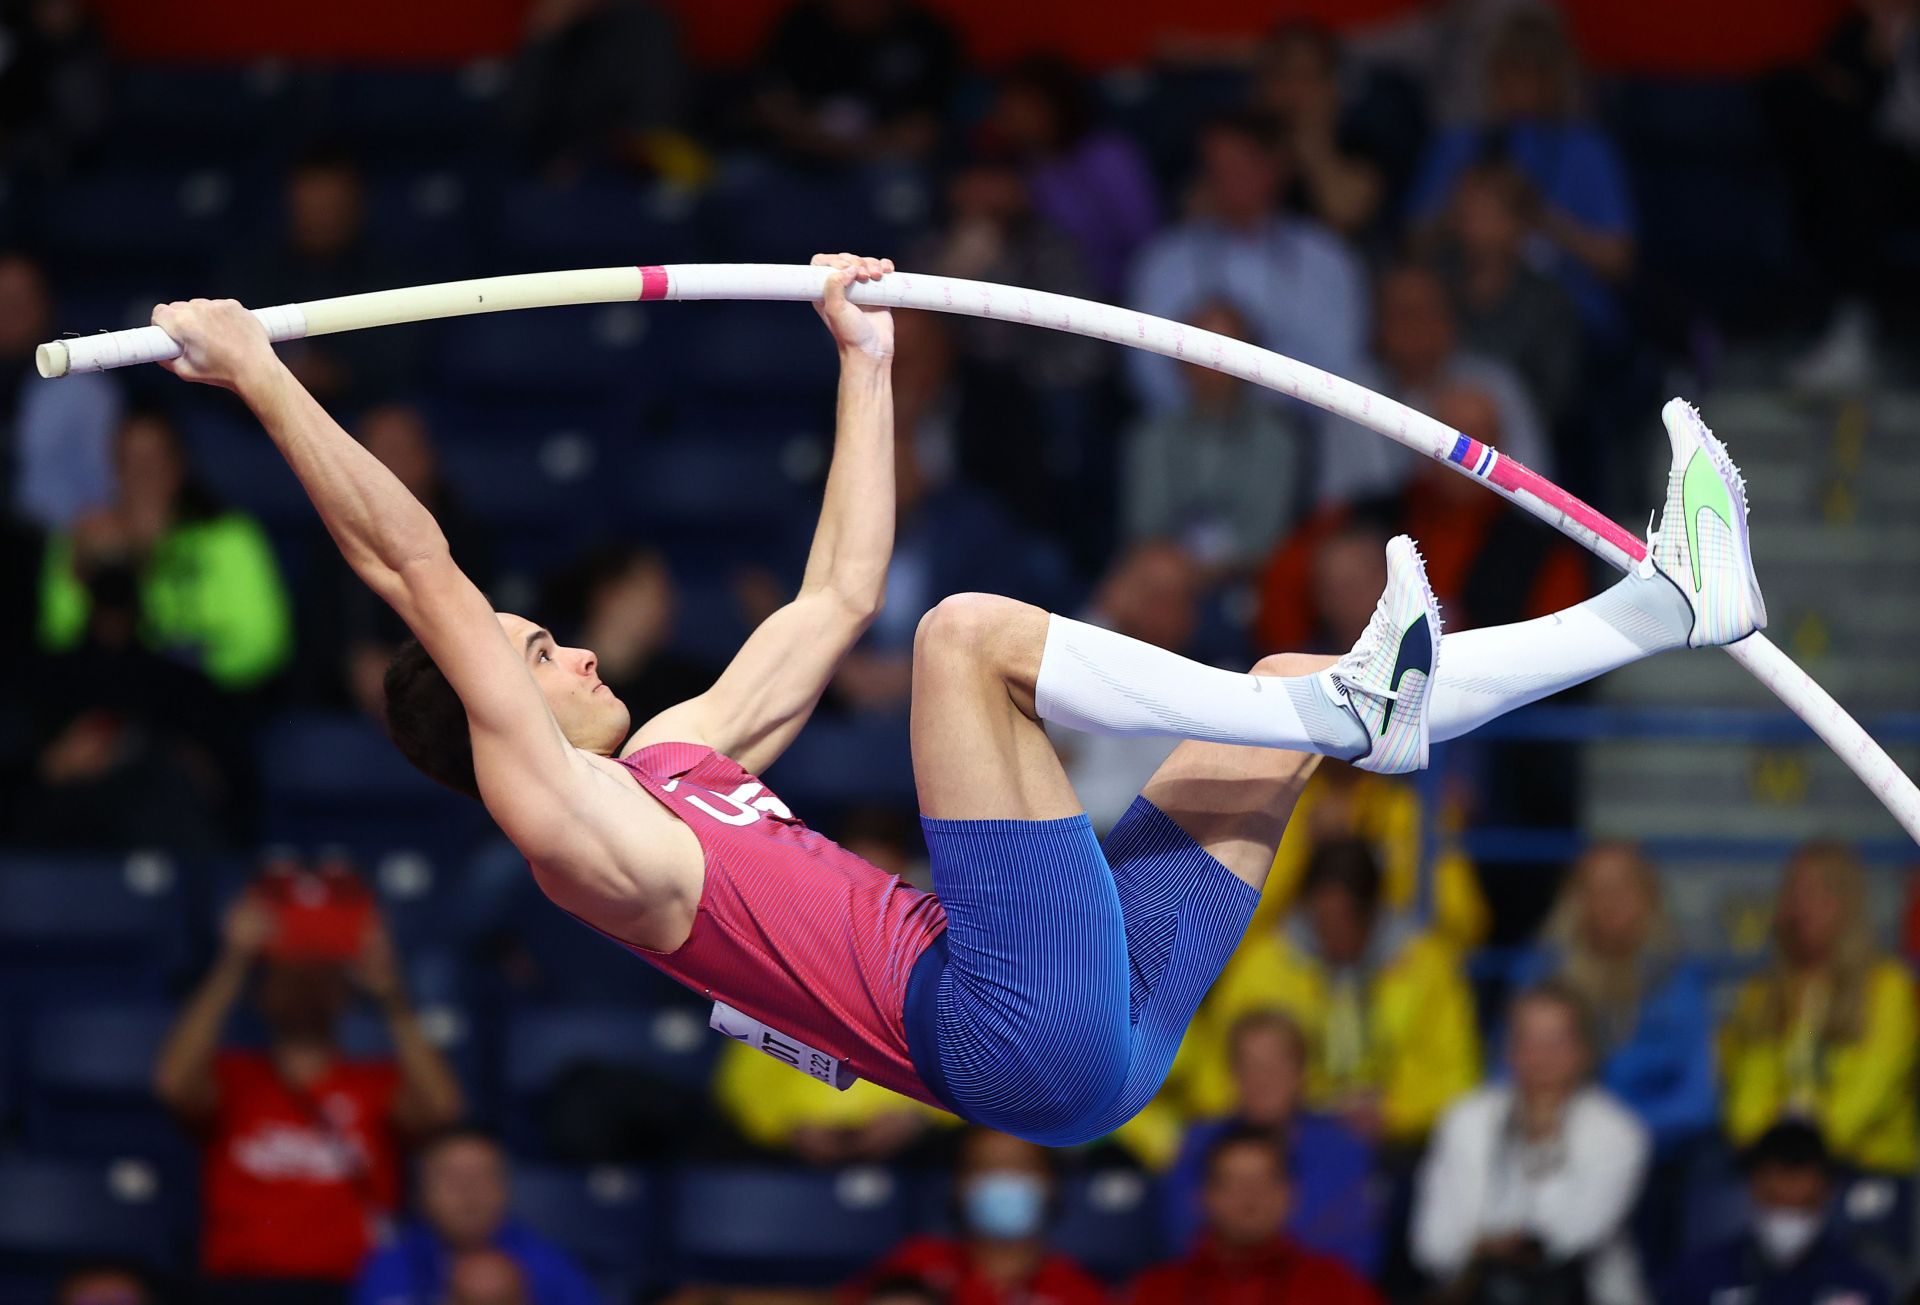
1241 1256
1789 1253
1004 1193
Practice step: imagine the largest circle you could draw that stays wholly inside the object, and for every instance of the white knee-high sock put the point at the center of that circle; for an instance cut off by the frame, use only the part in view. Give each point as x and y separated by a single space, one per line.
1100 682
1487 673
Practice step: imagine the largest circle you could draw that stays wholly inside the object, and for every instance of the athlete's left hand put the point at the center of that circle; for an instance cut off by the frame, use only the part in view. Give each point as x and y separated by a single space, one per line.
855 327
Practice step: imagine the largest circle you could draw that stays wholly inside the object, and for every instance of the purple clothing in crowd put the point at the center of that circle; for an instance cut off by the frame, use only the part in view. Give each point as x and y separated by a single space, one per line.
1100 194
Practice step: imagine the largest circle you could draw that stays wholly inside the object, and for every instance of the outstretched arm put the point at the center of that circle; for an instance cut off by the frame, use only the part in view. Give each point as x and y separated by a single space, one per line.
531 778
759 703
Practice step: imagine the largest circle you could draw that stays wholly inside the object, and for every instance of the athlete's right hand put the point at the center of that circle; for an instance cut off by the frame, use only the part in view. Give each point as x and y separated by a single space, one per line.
855 327
220 342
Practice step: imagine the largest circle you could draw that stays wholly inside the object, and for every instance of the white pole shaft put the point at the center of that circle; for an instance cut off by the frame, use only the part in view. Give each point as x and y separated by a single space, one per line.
1396 421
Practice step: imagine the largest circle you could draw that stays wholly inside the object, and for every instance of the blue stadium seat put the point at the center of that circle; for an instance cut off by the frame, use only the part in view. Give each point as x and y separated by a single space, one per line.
169 108
711 484
543 1043
573 964
809 1228
80 924
587 352
56 1211
1109 1222
187 215
597 221
548 479
775 351
841 761
606 1218
764 213
418 112
424 220
243 468
1715 1205
1876 1210
89 1075
335 777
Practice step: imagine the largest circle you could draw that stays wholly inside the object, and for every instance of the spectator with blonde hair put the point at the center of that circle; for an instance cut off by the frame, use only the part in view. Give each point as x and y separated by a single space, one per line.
1827 1032
1526 1192
1610 940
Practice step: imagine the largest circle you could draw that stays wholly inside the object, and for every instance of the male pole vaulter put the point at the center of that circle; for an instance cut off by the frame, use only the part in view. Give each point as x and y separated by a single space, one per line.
1044 986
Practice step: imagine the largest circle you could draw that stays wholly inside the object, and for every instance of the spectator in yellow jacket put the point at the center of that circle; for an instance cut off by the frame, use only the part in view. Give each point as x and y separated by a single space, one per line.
1341 801
1386 1008
209 588
1828 1032
774 1107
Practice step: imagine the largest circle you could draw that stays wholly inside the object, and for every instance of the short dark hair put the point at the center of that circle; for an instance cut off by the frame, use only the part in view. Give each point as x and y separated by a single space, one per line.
1789 1144
1264 1139
1347 864
452 1133
906 1285
1261 129
427 722
1055 80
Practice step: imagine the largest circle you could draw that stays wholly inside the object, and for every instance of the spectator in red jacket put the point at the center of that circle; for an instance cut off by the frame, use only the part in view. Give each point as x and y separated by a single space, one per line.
300 1143
1004 1193
1241 1260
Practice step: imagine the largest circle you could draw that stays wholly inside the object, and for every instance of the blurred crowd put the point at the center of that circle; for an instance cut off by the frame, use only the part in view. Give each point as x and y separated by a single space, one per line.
1370 1105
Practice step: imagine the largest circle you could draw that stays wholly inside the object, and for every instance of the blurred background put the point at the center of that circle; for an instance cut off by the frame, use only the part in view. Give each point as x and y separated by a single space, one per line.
1612 1004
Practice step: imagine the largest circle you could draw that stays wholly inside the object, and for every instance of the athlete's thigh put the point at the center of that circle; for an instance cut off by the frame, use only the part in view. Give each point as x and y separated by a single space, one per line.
978 751
1235 801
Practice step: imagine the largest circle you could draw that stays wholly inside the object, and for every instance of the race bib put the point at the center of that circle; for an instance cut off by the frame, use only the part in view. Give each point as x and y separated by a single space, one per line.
742 1027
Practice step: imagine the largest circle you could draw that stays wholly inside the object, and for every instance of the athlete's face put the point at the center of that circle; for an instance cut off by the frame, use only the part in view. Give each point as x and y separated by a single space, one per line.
589 715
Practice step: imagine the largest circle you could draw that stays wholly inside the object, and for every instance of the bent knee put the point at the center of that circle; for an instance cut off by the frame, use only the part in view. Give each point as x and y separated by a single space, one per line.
974 625
1293 664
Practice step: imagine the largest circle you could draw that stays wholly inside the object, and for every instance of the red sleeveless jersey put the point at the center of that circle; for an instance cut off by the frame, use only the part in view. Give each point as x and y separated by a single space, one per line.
792 929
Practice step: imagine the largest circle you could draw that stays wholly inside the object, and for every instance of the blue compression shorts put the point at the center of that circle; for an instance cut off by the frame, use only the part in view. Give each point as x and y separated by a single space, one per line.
1054 1003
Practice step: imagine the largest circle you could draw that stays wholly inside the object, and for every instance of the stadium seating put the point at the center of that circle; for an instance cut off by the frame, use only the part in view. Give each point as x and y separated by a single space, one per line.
543 1044
584 352
766 213
606 1217
1109 1222
184 216
78 925
809 1227
596 221
335 777
56 1211
171 111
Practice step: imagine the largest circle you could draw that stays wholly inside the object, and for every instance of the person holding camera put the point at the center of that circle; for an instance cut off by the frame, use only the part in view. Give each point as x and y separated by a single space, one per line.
1526 1192
301 1154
